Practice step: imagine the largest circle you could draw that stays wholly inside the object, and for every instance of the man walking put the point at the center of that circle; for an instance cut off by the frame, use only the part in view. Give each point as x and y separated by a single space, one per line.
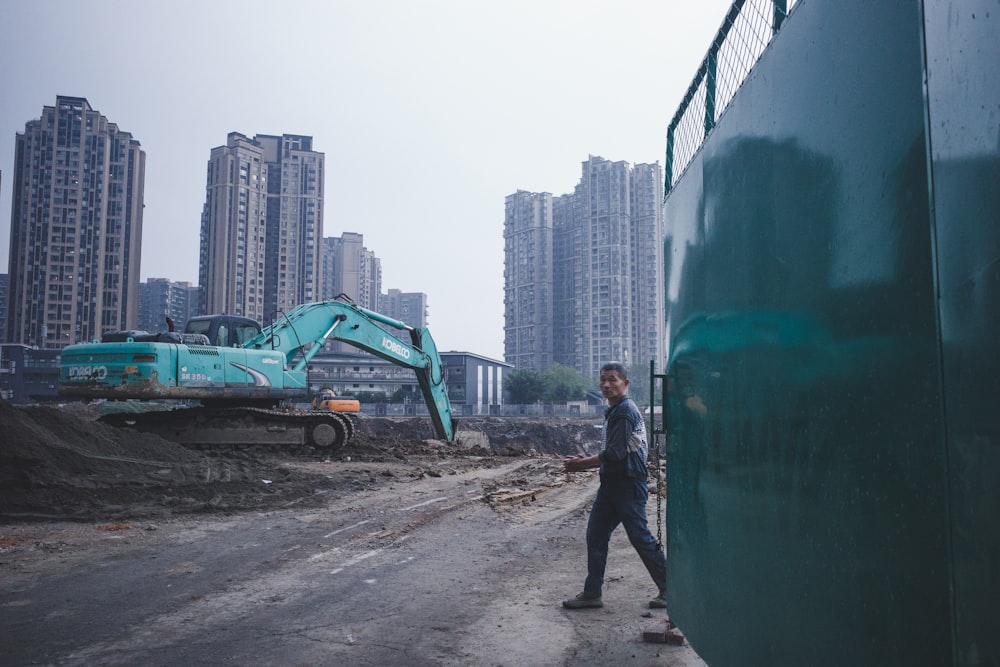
621 497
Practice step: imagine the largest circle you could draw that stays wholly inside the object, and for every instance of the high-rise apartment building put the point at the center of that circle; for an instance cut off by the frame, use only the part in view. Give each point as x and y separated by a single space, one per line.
293 266
646 270
160 298
583 271
3 293
76 227
351 269
567 276
233 230
528 288
261 226
4 283
370 286
600 320
410 308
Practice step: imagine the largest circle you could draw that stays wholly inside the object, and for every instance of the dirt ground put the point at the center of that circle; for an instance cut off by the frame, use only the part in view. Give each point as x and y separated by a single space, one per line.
92 513
68 480
59 463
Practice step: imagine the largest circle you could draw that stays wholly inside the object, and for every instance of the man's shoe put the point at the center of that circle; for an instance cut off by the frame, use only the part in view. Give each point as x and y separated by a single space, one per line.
659 602
583 601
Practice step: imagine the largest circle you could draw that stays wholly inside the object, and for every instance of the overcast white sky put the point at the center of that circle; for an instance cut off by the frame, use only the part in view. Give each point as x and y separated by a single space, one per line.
429 112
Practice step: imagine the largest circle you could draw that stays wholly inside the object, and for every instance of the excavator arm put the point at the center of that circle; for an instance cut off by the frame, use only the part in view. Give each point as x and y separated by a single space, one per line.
302 332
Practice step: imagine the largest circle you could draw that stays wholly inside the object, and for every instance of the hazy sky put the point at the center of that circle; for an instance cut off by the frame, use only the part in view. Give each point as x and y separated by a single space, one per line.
429 113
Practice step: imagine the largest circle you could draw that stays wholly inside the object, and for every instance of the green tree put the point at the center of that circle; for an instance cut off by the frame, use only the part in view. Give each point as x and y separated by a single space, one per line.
563 383
523 386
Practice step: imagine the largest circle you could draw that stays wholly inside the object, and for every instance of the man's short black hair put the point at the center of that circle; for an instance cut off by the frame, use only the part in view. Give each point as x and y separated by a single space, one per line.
617 368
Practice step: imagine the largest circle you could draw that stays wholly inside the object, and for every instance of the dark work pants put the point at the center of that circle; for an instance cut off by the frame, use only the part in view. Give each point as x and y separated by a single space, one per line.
621 501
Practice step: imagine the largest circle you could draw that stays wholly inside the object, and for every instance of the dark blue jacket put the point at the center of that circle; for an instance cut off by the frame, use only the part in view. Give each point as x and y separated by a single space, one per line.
623 449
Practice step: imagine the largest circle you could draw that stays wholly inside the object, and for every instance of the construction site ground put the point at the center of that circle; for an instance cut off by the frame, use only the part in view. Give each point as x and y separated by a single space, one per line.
121 548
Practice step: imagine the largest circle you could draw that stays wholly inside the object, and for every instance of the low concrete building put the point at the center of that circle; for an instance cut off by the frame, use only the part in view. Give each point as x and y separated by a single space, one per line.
28 374
475 383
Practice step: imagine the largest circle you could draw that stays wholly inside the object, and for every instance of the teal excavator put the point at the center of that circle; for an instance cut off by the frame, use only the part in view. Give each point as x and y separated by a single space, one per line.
242 375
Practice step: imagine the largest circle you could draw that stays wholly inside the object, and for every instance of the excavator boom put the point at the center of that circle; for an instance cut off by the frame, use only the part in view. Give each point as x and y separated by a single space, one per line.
357 326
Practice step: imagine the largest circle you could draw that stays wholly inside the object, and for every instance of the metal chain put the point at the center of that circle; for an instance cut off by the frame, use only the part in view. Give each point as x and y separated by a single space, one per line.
659 491
655 432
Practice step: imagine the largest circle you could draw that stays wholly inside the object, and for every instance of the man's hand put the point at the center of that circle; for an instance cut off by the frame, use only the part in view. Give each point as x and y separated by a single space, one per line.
580 463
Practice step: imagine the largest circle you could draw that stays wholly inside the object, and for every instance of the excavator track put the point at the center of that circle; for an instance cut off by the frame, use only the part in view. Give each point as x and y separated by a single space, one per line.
241 426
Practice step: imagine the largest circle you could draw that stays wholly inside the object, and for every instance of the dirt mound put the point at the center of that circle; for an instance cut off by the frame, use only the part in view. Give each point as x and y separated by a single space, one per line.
384 438
518 436
60 463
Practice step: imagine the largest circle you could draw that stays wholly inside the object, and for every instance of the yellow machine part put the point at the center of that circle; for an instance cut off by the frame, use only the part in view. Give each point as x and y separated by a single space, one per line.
328 400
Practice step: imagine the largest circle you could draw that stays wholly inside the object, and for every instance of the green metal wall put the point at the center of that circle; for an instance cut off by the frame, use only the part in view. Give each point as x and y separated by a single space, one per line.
963 83
833 457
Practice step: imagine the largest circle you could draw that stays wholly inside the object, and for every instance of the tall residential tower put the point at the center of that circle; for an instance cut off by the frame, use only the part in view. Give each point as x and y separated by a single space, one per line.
582 271
233 228
160 298
407 307
261 226
76 227
293 260
528 315
351 269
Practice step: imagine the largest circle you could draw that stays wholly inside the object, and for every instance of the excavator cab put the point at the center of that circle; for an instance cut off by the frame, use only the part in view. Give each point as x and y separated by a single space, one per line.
224 330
